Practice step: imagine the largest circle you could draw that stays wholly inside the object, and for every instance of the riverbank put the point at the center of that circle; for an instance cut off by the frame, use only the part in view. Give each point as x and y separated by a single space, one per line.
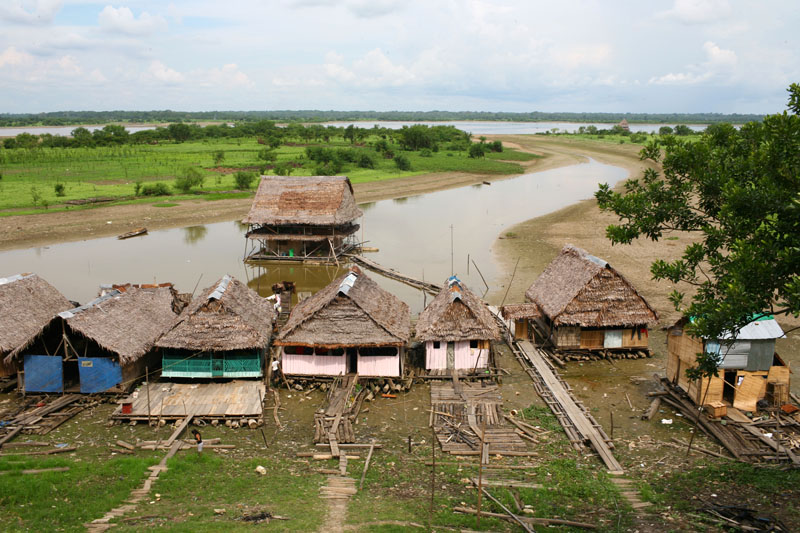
25 231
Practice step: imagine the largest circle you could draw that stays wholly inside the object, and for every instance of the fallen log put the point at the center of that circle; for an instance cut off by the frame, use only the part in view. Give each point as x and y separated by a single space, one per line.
528 519
653 409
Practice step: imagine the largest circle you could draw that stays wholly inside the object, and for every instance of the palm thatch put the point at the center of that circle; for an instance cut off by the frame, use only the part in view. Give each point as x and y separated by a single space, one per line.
520 311
27 303
456 314
226 316
350 311
579 289
124 323
312 200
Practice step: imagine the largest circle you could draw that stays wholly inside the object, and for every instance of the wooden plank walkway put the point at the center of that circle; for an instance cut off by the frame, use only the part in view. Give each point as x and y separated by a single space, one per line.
172 401
333 423
432 288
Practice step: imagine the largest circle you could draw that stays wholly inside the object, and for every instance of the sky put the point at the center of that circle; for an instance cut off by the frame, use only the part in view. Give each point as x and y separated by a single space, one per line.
656 56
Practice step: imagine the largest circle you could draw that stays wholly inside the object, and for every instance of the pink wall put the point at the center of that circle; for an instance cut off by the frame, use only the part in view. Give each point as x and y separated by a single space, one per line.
465 356
314 365
381 365
435 359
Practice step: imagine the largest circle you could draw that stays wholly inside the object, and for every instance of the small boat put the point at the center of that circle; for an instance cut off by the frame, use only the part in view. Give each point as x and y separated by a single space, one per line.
134 233
487 183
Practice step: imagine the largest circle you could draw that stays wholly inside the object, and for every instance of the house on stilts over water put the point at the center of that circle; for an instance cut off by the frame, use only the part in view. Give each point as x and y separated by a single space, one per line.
351 326
223 333
749 368
302 218
27 303
586 304
105 345
457 329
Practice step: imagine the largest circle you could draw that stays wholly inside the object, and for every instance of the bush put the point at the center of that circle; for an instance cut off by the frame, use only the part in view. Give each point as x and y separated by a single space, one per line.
267 155
365 160
476 150
425 152
59 188
192 177
284 168
402 162
137 187
497 146
330 168
244 180
155 189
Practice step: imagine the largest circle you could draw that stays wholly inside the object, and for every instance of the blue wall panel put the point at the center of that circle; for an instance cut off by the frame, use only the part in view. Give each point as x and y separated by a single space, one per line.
43 373
98 374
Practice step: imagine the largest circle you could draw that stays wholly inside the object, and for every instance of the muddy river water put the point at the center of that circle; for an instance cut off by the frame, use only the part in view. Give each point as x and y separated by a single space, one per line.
421 236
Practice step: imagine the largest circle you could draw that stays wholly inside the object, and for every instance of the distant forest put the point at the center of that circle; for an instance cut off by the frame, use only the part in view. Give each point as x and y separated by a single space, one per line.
67 118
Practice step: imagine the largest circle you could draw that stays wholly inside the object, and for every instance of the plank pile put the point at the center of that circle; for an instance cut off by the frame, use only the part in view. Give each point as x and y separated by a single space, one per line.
43 419
334 423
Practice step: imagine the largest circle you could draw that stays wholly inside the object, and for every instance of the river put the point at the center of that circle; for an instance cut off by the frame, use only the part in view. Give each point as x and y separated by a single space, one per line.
413 236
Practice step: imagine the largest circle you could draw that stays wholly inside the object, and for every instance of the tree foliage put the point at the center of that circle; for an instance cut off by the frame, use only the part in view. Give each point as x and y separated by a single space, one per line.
739 191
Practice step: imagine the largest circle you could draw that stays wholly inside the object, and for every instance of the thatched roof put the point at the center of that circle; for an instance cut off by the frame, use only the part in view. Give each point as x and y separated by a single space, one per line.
27 303
456 314
517 311
315 200
350 311
580 289
226 316
125 323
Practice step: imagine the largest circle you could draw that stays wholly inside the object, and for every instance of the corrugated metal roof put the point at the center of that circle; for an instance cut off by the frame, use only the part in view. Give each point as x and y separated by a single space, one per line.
72 312
348 282
220 289
12 279
759 329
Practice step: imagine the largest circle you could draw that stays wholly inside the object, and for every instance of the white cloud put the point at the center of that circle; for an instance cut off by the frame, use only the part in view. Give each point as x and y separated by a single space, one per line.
13 57
29 11
719 63
373 70
160 72
698 11
359 8
122 20
229 75
719 57
573 57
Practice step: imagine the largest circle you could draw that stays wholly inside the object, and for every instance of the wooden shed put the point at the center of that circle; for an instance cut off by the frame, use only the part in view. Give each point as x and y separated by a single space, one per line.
299 218
519 317
27 303
224 333
350 326
750 369
457 329
104 345
586 304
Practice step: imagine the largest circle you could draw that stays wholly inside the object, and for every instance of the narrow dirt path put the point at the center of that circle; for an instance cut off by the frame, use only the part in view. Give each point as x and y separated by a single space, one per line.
337 492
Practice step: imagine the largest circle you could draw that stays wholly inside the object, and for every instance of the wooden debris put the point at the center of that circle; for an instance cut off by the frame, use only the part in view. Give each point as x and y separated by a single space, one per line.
653 409
528 519
366 466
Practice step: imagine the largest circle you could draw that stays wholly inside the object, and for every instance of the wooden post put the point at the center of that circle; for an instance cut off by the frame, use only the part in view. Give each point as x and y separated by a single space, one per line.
147 378
480 472
433 475
409 444
612 425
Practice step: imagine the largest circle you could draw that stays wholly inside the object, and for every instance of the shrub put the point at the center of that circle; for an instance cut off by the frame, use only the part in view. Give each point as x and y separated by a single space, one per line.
192 177
425 152
244 179
155 189
36 196
476 150
284 168
402 162
497 146
219 157
330 168
267 155
59 188
137 187
365 160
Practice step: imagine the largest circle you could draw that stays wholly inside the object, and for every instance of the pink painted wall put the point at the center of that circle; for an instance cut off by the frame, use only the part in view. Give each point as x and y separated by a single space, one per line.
314 365
435 359
381 365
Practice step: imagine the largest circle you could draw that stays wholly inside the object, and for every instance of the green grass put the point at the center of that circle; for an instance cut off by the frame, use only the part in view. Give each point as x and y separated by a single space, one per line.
512 155
64 501
29 176
165 204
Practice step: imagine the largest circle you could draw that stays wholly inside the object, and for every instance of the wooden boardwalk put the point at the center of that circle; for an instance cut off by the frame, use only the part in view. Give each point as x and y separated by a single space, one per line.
427 286
333 423
458 412
172 401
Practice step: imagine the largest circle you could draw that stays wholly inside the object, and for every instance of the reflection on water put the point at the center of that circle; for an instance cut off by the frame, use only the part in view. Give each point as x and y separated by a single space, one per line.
413 235
366 206
194 234
402 200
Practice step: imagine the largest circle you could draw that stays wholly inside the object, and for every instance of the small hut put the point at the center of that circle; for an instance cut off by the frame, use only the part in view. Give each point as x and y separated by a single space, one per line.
102 346
587 305
457 329
350 326
750 369
27 303
223 333
518 318
298 218
624 125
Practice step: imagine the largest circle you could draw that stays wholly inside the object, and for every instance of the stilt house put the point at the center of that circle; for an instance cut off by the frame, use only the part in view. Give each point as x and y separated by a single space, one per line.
749 368
297 218
350 326
457 329
223 333
518 318
586 304
104 345
27 303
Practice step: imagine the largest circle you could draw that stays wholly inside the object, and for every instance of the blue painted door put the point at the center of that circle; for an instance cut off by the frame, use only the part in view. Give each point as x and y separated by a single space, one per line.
98 374
43 373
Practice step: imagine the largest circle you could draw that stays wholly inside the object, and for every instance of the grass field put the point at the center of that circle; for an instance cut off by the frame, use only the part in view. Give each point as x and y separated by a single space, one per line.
35 179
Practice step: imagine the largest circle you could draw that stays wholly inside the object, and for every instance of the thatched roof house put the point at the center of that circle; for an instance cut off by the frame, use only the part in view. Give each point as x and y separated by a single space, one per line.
299 217
227 317
518 317
351 313
27 303
119 328
457 328
313 200
582 292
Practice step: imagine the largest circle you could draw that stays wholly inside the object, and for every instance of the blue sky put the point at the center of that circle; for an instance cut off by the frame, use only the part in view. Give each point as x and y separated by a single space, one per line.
725 56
